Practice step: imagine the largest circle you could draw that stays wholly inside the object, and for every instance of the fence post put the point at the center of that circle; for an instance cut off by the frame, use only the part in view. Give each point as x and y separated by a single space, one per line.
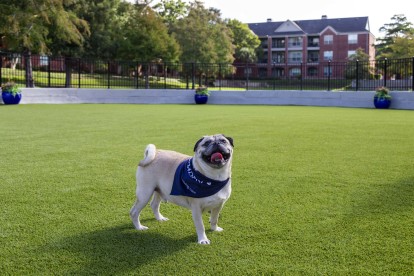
301 76
193 76
220 72
147 86
79 73
136 76
187 80
412 74
48 71
357 75
329 75
165 76
385 72
247 75
109 74
1 69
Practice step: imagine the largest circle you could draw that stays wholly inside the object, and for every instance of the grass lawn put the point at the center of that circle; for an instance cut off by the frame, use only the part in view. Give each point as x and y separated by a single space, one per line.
315 191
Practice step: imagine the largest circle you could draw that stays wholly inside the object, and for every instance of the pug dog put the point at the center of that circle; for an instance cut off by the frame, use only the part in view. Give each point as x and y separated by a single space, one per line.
201 182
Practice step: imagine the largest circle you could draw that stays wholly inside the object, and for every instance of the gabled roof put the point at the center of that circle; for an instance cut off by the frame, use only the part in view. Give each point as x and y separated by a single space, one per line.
314 26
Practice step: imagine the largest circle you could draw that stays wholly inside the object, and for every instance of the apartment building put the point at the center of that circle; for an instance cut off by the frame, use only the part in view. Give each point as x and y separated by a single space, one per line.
301 47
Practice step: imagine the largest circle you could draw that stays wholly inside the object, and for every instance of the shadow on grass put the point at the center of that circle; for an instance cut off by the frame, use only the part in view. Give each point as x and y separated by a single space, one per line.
388 199
120 249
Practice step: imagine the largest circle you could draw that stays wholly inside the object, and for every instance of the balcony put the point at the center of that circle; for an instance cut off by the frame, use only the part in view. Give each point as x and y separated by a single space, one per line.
295 45
313 59
294 60
313 44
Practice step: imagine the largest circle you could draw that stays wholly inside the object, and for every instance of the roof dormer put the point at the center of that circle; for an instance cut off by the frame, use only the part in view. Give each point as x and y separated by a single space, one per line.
288 26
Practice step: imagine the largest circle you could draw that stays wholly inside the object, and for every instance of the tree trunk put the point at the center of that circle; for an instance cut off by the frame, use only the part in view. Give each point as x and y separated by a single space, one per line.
28 68
68 72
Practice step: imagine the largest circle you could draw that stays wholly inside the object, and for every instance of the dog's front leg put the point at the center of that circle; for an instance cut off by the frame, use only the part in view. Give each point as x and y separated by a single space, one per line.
199 225
214 219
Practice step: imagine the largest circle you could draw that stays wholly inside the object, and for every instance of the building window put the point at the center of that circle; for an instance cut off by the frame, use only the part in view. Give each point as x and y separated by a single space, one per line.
295 72
247 71
328 55
264 43
295 56
278 43
313 41
295 41
352 39
327 71
350 53
328 39
278 57
313 56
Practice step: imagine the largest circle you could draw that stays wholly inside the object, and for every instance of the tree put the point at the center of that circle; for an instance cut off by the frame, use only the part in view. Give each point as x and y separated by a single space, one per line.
399 28
403 47
171 10
27 24
203 36
103 17
144 37
359 66
245 41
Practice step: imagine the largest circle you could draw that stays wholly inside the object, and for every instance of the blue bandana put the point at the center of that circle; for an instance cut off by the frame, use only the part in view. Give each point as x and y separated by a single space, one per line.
191 183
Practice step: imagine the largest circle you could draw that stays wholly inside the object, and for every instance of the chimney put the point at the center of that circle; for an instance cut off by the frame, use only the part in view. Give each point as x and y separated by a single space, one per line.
324 16
269 20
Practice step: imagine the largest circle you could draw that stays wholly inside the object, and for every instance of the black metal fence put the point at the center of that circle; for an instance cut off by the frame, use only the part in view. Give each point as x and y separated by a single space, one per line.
47 71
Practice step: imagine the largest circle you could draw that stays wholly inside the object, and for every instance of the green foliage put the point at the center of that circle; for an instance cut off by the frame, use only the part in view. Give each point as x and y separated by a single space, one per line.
171 10
245 41
104 18
202 90
28 24
11 87
382 93
315 191
145 37
203 36
401 31
365 70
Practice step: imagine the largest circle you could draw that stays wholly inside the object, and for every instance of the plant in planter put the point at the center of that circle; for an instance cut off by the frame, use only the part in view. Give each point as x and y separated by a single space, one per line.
11 93
201 95
382 98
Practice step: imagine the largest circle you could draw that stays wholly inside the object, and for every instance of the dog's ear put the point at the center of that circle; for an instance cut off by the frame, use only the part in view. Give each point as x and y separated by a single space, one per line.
230 140
196 144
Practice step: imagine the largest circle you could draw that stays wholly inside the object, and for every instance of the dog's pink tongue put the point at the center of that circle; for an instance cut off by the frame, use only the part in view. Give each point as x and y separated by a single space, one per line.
216 157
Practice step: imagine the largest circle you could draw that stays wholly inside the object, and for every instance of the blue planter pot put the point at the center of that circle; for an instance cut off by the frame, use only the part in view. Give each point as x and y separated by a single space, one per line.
382 103
200 99
9 98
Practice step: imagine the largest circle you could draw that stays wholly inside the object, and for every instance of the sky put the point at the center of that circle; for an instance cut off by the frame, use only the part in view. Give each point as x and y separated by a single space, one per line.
379 13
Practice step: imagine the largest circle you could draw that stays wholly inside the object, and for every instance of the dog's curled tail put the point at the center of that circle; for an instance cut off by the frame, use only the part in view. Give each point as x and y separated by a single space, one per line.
149 155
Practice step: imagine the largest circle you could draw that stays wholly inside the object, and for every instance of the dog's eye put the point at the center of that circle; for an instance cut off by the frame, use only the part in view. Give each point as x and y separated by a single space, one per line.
206 143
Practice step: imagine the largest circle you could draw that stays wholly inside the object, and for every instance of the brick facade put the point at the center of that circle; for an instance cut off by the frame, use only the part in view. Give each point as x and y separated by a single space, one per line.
293 48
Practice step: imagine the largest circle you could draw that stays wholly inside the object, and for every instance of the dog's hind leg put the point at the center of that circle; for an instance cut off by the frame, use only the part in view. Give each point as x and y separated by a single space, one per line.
143 198
155 205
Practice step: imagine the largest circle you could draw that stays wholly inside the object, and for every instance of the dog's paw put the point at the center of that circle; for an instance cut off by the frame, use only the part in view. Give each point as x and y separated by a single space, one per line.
142 227
217 229
162 218
206 241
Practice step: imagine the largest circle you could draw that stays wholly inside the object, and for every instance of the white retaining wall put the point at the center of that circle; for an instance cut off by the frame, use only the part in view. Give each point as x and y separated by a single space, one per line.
401 100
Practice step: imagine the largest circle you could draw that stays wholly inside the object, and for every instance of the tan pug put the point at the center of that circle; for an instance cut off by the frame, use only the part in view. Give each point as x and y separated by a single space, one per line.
200 183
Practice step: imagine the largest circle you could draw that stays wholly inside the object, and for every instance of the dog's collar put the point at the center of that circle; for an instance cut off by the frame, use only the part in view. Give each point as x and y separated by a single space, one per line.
191 183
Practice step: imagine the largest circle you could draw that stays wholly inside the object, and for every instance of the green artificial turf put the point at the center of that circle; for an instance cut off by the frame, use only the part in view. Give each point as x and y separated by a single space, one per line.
316 190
